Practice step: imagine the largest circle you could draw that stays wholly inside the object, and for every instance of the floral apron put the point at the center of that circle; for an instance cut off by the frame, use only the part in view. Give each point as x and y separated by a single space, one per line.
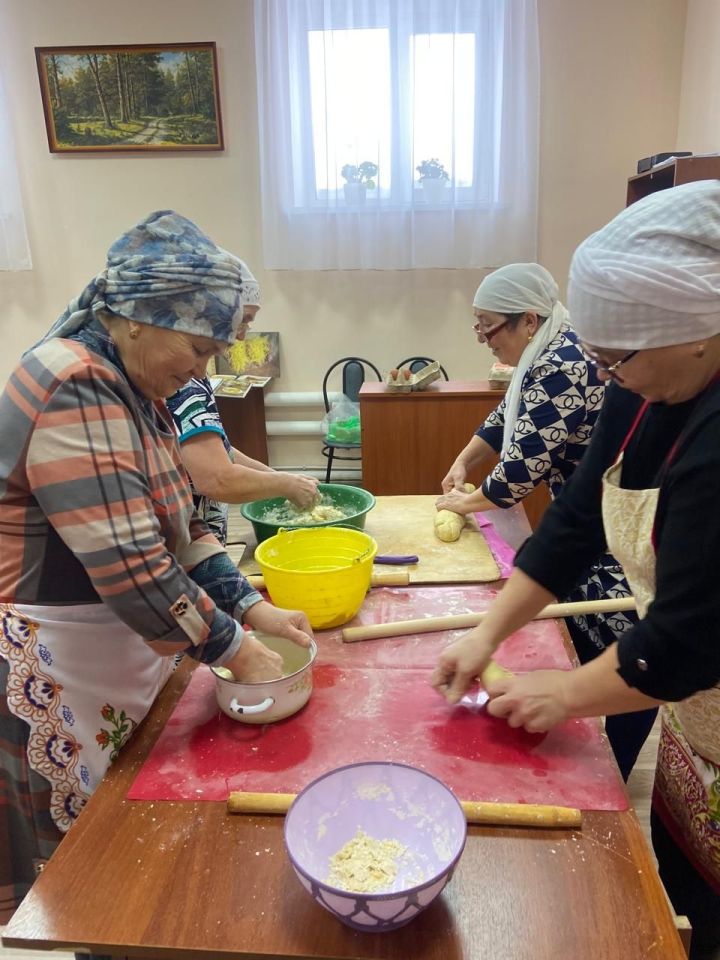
687 780
63 661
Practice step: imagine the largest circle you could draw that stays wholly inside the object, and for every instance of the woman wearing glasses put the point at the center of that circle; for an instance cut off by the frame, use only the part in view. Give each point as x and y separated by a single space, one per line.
645 296
541 430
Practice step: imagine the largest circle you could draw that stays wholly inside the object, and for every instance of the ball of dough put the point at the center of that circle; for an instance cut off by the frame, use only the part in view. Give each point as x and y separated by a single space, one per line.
448 525
493 671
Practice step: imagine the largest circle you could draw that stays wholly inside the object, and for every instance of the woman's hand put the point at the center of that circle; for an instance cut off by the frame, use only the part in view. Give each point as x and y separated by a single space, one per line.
455 478
292 624
302 491
459 665
456 501
536 701
255 662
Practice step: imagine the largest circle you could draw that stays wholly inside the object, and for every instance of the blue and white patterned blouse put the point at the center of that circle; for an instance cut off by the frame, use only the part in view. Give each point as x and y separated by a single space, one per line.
195 411
560 401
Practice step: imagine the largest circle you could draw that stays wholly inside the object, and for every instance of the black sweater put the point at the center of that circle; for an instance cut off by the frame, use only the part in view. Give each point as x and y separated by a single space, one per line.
679 638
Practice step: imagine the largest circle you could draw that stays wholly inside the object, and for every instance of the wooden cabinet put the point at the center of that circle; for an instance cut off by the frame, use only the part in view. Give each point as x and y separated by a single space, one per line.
409 440
243 420
682 170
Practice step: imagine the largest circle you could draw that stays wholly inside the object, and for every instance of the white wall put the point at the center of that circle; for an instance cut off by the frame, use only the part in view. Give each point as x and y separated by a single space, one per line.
699 125
610 93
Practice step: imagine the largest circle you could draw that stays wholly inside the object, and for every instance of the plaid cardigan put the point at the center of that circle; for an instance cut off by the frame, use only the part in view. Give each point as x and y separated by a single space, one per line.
95 504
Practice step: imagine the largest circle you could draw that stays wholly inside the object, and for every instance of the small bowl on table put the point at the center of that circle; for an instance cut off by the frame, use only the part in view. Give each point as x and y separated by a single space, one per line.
385 802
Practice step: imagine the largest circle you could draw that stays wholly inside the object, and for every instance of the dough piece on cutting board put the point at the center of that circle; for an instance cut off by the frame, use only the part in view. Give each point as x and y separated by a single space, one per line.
448 524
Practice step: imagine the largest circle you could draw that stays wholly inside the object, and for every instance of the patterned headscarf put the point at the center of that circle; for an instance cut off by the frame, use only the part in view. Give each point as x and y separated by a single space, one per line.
166 272
519 288
651 277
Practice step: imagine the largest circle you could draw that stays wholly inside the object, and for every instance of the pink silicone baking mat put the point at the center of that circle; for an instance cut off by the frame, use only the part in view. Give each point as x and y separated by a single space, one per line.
372 701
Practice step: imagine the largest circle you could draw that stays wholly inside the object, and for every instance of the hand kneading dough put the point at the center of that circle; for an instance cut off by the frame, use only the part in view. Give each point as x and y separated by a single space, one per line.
448 525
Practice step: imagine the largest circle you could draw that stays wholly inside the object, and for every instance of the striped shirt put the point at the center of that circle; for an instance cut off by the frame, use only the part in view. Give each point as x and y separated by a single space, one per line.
95 504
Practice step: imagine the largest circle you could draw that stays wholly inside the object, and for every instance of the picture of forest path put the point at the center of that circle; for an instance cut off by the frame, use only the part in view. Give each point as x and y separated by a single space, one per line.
157 131
148 98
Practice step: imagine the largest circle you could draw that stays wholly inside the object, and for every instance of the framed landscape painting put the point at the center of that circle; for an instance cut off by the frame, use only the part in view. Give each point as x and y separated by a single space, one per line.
126 98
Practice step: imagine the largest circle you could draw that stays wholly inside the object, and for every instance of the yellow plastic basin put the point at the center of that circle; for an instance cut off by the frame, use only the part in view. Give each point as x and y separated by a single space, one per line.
323 571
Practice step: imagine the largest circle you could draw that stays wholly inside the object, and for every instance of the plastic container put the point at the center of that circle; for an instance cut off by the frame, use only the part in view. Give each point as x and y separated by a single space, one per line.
353 501
323 571
387 801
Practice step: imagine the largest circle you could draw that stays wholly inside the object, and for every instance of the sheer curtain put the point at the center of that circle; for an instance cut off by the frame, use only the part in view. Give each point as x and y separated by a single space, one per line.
14 249
355 95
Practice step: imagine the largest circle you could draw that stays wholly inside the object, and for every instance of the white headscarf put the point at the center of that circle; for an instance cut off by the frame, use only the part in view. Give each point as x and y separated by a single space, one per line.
651 277
517 288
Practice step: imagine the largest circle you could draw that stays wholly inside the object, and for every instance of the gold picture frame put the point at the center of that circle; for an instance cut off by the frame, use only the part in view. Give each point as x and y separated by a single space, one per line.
138 97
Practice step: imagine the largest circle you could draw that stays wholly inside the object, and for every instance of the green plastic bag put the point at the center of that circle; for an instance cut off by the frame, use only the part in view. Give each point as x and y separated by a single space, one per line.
342 421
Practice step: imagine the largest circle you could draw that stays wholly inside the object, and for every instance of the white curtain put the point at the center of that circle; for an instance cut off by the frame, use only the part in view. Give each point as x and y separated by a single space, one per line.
14 249
381 86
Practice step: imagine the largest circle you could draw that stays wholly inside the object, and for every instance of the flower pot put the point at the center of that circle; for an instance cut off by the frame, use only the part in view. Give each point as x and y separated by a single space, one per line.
435 191
355 194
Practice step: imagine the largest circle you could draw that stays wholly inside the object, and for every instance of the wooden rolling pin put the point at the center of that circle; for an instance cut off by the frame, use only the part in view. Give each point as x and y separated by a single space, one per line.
491 814
379 578
461 621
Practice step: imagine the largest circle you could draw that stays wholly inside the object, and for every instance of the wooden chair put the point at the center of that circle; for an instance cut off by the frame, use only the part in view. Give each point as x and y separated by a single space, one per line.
417 363
354 371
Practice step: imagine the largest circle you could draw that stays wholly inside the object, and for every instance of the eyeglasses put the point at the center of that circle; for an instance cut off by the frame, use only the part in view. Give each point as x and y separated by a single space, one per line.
609 369
487 335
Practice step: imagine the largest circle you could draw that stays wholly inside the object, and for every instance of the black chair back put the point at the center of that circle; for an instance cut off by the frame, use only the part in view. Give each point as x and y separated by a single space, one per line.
417 363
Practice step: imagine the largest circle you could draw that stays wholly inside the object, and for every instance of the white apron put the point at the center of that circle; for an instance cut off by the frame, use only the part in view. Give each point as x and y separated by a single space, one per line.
82 681
687 779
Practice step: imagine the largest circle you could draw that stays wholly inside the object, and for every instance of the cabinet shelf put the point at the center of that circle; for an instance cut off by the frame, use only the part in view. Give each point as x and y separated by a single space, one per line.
682 170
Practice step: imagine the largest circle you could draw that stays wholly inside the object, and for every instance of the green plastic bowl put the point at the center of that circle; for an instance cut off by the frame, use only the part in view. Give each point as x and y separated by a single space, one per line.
345 498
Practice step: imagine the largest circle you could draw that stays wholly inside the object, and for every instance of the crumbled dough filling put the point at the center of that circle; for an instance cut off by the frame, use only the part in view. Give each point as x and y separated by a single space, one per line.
365 865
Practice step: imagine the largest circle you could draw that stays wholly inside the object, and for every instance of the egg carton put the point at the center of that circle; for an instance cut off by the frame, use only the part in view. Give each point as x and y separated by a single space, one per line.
416 381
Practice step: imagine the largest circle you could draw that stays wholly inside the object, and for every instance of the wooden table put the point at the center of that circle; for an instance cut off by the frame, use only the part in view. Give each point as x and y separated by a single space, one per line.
186 880
409 440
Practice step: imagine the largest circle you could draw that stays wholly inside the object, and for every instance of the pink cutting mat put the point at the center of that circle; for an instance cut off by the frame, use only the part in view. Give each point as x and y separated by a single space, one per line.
372 701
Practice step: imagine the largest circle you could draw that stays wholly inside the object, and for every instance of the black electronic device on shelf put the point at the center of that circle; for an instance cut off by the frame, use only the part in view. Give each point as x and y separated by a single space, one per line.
647 163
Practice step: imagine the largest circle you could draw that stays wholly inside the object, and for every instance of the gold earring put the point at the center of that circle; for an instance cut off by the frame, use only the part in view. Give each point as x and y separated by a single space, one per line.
700 351
530 336
134 331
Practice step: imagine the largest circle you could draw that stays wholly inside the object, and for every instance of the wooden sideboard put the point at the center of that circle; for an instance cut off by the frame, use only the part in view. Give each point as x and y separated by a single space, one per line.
243 420
409 440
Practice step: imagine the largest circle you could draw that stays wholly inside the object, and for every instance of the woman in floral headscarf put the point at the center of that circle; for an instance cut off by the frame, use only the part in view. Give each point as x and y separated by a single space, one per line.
645 296
105 570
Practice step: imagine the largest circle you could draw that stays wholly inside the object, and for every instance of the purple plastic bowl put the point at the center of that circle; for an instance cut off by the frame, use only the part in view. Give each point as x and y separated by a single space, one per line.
388 801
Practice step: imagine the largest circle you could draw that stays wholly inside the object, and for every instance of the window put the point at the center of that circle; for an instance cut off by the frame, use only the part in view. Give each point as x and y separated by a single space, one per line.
356 95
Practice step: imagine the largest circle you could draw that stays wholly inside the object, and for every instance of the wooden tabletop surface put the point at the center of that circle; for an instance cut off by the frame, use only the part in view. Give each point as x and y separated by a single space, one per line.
187 880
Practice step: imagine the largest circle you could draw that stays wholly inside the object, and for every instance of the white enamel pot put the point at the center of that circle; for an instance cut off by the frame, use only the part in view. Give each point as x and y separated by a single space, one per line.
269 700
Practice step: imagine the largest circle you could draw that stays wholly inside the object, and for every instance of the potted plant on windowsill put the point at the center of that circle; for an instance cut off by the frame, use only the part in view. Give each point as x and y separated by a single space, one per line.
434 179
359 180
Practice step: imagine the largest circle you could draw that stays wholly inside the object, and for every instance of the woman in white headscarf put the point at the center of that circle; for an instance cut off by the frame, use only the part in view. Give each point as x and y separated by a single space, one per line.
541 430
645 296
219 473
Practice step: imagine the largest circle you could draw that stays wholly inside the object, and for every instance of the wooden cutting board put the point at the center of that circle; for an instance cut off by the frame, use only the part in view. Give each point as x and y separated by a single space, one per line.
405 525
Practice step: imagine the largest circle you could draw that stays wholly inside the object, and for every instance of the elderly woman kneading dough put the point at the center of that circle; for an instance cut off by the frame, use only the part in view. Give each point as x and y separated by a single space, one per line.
645 295
219 473
105 570
541 430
